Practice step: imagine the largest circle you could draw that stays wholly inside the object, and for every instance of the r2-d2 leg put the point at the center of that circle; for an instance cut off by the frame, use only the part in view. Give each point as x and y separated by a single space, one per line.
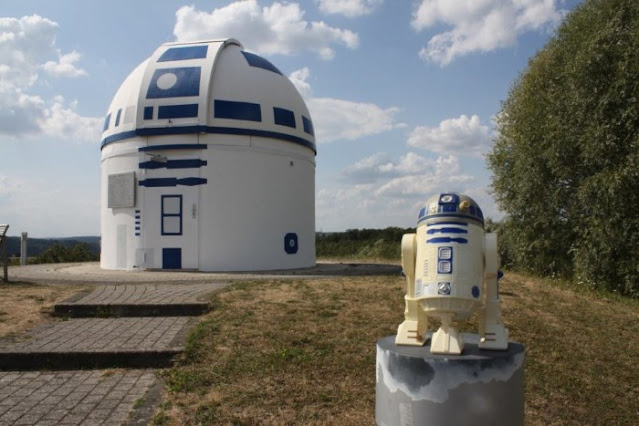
491 328
413 330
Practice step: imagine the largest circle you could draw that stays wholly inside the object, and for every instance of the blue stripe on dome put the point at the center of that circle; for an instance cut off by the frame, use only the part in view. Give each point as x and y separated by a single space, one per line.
237 110
284 117
183 53
187 83
180 130
259 62
178 111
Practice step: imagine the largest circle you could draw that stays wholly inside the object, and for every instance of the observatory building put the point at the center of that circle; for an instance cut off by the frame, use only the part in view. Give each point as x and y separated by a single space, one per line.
208 163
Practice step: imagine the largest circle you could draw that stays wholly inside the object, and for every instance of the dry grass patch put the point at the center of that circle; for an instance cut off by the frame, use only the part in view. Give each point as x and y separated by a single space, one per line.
25 305
303 352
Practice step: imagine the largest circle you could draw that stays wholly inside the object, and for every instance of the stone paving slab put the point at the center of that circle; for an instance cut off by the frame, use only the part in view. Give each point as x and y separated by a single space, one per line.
140 300
97 342
73 397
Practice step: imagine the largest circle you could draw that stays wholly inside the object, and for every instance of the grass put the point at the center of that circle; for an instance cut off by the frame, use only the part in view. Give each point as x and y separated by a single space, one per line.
24 305
303 352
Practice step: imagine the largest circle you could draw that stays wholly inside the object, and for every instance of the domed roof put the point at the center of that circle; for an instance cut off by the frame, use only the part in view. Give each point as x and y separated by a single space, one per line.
208 87
451 204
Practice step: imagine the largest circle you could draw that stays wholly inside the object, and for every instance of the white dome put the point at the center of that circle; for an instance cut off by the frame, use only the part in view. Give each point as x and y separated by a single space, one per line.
208 87
207 163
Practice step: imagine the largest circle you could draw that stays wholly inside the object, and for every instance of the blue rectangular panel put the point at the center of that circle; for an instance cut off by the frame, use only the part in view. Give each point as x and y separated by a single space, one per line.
148 113
238 110
308 126
172 147
106 122
174 164
158 182
184 53
171 258
117 118
284 117
259 62
174 83
178 111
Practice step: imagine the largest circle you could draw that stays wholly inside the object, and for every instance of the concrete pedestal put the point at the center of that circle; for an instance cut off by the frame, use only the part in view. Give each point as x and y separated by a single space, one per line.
478 387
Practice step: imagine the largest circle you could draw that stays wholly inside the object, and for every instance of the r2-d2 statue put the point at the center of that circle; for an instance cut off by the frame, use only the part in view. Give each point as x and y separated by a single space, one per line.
451 267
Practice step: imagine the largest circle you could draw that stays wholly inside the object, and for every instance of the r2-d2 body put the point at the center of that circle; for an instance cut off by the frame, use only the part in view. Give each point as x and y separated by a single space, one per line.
451 268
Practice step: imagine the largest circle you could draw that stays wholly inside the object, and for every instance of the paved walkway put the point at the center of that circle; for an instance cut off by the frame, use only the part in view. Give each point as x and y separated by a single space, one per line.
60 393
72 397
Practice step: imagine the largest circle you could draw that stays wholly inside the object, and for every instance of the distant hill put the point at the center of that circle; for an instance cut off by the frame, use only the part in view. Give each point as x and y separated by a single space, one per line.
36 246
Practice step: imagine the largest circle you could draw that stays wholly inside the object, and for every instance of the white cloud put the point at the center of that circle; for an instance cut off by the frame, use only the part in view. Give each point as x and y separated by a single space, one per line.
380 166
298 78
63 122
380 192
338 119
19 113
65 66
276 29
349 8
26 45
459 136
480 25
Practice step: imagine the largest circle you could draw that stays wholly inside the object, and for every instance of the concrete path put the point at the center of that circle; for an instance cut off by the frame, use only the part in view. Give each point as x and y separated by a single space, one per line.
44 384
143 300
73 397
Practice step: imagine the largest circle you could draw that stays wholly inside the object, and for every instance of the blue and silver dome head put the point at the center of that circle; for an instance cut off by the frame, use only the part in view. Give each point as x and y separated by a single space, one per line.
451 205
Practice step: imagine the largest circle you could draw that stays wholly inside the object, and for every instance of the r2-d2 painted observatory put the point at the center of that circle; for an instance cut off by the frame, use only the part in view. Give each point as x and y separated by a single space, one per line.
208 163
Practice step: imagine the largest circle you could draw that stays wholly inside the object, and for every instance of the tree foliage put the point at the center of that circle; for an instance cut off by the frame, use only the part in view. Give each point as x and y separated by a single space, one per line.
58 253
362 243
566 158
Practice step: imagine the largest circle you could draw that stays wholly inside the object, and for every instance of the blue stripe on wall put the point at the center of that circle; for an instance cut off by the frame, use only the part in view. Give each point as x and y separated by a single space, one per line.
177 111
184 53
237 110
174 164
187 83
180 130
284 117
172 147
308 126
259 62
169 182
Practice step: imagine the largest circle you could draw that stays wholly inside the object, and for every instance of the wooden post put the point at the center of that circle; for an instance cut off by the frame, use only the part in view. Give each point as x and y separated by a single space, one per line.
3 251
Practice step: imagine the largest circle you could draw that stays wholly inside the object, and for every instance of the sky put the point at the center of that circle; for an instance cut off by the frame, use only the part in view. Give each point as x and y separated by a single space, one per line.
402 93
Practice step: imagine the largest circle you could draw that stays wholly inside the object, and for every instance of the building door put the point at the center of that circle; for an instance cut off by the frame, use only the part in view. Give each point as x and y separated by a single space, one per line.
170 179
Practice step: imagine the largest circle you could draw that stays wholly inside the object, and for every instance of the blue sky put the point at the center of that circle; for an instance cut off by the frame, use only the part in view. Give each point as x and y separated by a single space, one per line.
402 94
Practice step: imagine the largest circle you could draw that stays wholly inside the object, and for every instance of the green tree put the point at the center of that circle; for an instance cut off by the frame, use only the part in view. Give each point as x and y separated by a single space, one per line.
566 158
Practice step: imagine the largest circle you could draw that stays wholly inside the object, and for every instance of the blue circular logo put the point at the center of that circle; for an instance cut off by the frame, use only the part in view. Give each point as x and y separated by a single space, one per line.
475 291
